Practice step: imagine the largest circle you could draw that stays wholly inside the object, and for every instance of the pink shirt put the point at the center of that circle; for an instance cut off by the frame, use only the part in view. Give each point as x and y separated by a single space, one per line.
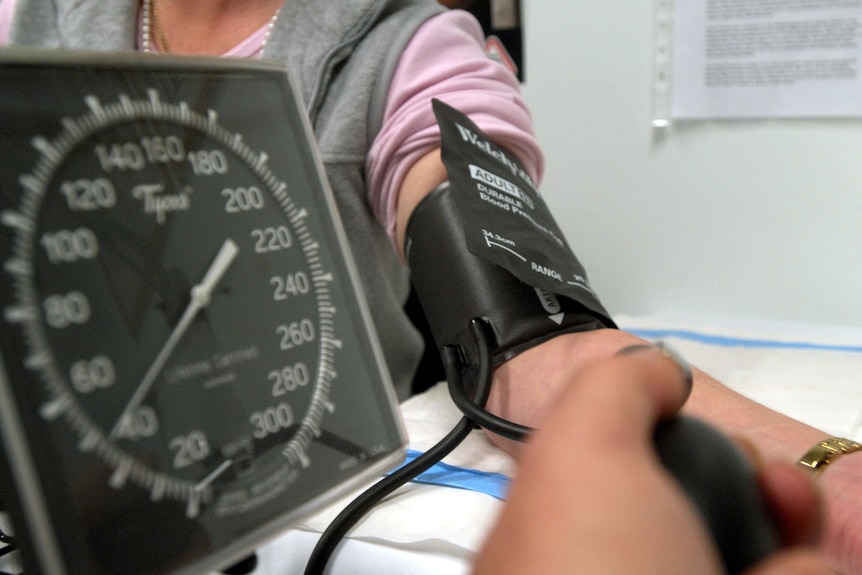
445 59
6 7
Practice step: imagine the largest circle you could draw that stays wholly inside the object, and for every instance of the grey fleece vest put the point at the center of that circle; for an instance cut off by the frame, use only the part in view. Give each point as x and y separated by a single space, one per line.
343 54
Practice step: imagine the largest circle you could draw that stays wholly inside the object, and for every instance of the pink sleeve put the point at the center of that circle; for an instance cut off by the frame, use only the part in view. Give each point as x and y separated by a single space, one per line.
6 9
445 60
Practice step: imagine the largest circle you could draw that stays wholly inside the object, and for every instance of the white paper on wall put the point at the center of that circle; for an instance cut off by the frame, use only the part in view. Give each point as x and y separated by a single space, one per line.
758 59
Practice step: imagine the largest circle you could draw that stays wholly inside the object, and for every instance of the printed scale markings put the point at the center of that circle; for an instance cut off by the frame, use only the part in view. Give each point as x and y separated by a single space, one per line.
25 312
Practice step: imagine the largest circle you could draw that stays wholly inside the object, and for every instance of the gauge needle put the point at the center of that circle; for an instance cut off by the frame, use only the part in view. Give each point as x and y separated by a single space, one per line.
214 475
200 298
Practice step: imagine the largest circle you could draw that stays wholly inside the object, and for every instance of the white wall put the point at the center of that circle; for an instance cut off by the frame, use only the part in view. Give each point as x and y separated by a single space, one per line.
737 219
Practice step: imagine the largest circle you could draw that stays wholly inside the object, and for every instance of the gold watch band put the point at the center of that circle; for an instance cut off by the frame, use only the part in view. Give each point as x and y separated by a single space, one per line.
825 452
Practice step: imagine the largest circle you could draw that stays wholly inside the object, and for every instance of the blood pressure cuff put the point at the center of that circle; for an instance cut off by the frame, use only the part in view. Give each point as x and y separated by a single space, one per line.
484 245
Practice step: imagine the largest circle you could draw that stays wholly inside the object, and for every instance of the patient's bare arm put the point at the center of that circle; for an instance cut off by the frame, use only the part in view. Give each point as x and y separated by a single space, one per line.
528 385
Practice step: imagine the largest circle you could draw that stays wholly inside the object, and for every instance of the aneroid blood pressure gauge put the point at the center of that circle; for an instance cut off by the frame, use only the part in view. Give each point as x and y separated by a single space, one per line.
187 363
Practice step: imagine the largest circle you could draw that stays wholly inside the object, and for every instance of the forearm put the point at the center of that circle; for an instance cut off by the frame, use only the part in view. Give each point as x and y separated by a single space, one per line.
595 440
526 386
779 436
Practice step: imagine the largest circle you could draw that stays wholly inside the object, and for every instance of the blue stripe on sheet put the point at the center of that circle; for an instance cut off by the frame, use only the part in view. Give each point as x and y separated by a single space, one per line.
725 341
445 475
497 485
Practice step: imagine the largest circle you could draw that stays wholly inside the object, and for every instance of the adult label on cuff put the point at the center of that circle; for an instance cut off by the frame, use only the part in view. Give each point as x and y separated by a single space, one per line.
505 219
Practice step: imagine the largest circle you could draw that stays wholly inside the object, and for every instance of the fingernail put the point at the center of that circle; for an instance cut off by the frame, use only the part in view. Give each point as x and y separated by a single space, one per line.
637 348
683 365
668 352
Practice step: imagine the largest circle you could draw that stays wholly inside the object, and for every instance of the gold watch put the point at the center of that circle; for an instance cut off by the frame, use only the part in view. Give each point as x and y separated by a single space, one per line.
827 451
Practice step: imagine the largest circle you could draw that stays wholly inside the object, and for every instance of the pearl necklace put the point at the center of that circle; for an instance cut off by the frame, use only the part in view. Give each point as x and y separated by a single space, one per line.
150 22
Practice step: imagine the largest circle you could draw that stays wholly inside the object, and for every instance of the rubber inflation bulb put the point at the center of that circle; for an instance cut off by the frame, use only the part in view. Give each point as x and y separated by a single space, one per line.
721 483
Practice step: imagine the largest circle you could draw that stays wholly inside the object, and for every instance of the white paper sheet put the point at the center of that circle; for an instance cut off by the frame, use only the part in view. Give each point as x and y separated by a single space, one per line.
809 372
765 58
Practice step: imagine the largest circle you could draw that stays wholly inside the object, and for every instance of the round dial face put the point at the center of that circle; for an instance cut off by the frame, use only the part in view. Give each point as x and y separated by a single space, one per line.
187 249
181 304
